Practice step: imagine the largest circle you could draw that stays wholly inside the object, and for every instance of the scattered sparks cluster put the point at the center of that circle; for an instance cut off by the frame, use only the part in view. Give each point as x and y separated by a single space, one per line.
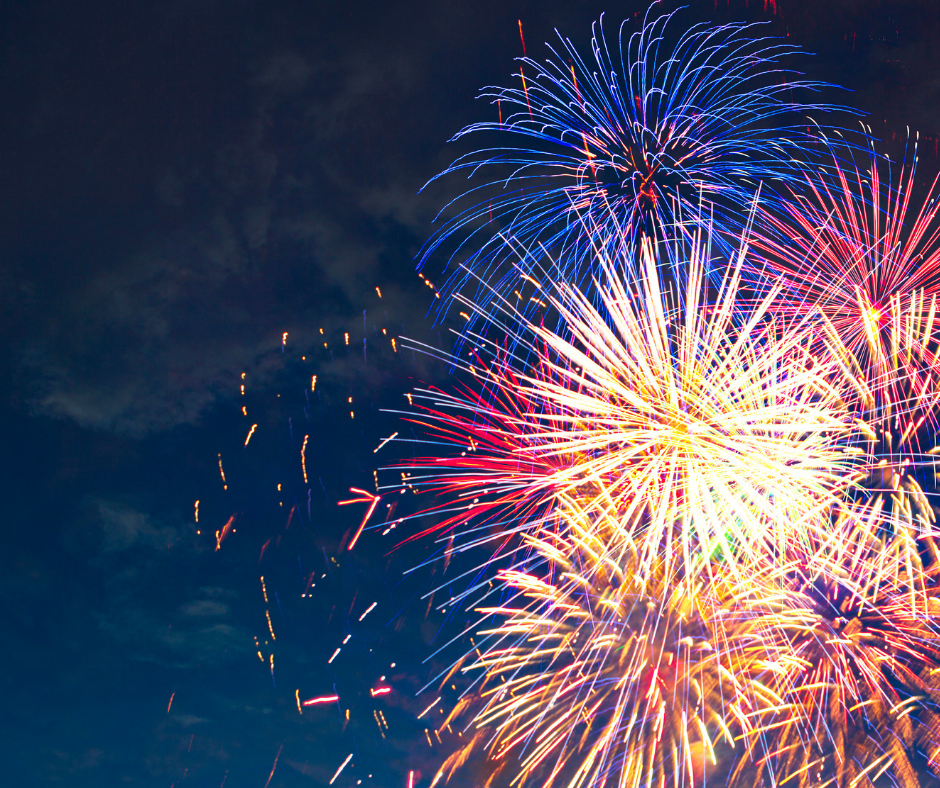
698 473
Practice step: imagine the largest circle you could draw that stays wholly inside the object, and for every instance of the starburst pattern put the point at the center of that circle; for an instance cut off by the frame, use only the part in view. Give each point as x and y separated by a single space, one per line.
696 423
850 646
698 474
648 132
592 674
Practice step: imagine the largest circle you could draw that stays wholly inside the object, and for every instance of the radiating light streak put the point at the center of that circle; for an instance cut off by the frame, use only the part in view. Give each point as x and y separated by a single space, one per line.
384 441
700 487
321 699
368 610
274 765
222 534
847 647
674 421
852 251
341 767
250 433
372 500
631 140
438 700
640 659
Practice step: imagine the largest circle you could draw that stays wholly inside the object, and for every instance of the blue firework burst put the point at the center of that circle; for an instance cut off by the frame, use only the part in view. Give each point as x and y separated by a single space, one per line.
639 138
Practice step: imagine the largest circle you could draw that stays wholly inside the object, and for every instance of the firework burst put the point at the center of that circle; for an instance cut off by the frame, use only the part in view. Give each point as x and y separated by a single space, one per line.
591 675
861 260
853 253
850 645
629 141
674 410
699 479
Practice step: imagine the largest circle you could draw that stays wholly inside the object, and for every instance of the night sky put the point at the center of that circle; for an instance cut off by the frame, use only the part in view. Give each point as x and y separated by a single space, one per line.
182 183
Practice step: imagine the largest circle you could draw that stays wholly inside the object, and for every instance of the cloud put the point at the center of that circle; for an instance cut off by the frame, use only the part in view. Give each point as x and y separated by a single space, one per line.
299 211
178 624
123 527
188 720
202 608
201 633
285 73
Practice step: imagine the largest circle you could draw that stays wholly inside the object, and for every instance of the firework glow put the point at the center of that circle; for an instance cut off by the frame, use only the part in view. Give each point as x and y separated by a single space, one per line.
689 484
591 673
692 427
677 510
850 646
654 127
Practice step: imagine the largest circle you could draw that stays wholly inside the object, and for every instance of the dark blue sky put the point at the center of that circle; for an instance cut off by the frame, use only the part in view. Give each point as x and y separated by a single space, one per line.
182 182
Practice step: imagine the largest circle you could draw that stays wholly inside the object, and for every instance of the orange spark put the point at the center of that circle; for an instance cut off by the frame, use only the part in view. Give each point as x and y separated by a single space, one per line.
267 615
278 750
223 533
525 88
250 433
372 500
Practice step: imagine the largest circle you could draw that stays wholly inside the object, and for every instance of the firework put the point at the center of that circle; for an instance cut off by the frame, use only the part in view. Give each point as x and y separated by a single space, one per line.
855 255
820 667
675 411
696 476
631 140
850 647
591 675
